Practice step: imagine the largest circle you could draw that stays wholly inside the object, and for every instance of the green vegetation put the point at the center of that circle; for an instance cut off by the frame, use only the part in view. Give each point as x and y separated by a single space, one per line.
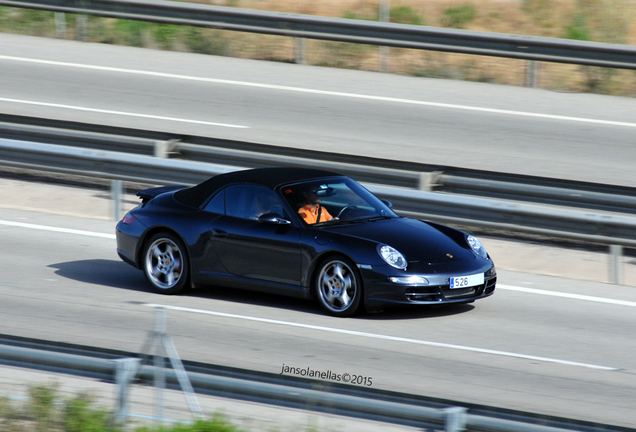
602 21
79 415
405 15
132 32
399 14
460 16
541 12
215 424
46 411
203 41
35 22
365 14
43 409
578 28
343 55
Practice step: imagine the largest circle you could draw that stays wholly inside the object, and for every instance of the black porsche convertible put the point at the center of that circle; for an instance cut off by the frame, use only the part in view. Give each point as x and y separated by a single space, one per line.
300 232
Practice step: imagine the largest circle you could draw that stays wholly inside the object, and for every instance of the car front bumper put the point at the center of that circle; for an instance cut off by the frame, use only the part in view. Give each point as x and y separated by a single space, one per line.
380 292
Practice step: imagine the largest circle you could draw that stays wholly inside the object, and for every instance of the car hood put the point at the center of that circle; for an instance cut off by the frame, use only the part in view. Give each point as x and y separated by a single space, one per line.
418 241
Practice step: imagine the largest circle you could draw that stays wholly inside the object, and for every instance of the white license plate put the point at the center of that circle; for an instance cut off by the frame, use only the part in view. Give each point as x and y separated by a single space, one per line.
466 281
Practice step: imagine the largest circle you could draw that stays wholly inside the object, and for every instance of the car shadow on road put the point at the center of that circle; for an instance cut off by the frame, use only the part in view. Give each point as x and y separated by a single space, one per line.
257 298
419 312
118 274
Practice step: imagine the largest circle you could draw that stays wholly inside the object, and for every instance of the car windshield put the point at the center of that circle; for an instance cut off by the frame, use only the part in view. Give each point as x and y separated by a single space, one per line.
331 201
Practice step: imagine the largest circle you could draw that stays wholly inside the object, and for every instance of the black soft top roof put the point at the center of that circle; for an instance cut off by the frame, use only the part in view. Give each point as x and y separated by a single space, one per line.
271 177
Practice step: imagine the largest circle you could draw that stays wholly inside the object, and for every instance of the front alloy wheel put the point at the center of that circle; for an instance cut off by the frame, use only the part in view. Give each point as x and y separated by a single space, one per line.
338 287
166 263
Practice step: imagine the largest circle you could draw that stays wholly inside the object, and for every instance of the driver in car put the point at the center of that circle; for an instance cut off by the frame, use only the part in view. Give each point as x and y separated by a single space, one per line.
311 211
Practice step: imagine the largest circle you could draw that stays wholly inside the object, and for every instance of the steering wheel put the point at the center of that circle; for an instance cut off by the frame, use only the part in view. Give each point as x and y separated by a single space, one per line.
345 209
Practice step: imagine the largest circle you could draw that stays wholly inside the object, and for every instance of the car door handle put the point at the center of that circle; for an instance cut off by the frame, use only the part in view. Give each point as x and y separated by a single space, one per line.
219 233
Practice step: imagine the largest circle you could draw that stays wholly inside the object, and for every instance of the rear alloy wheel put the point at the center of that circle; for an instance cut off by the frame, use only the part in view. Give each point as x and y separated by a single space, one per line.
166 263
338 287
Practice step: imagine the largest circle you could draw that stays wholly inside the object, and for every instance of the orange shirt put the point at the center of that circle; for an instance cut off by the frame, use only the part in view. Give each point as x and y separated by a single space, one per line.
309 215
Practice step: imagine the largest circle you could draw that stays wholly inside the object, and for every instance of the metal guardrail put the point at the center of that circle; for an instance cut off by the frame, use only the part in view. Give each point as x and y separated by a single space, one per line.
277 394
367 169
561 222
347 30
105 164
606 228
297 393
552 221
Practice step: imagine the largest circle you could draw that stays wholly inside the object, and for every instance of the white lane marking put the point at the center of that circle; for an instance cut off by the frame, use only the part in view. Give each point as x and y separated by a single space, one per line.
384 337
499 286
324 92
56 229
567 295
357 333
121 113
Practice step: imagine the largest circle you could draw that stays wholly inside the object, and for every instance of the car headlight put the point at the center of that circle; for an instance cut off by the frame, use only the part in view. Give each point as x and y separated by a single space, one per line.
476 246
392 257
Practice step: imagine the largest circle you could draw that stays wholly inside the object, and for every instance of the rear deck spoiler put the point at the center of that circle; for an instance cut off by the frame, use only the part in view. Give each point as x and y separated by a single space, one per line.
148 194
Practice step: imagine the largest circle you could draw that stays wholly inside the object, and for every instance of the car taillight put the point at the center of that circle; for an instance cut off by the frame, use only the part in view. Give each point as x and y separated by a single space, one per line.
128 218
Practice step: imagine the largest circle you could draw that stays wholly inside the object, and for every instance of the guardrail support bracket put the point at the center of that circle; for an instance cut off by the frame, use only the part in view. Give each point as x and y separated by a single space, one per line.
126 369
455 419
159 342
429 180
163 149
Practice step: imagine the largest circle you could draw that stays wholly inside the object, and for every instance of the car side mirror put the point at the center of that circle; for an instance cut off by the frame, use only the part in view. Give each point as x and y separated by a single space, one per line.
387 203
273 218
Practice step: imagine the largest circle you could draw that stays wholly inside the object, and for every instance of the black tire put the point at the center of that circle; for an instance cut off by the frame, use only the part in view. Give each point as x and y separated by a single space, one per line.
338 286
165 264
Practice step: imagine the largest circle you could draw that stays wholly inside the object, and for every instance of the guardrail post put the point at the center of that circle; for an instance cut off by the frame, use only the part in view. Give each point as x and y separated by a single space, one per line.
158 340
81 28
532 74
125 371
116 188
300 44
159 364
455 419
384 16
60 25
616 264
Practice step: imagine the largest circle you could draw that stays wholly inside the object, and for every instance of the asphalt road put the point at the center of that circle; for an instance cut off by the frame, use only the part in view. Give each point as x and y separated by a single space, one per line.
472 125
546 350
563 355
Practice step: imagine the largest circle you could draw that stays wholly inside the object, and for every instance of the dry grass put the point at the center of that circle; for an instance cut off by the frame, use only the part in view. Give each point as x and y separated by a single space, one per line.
608 21
599 20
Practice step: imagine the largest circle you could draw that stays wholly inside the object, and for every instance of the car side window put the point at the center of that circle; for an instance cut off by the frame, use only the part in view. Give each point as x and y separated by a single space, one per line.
250 201
217 204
